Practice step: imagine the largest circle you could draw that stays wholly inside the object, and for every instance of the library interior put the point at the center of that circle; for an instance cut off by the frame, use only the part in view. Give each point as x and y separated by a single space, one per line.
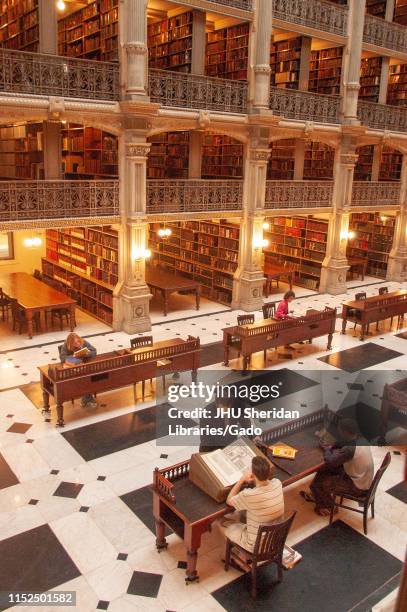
239 168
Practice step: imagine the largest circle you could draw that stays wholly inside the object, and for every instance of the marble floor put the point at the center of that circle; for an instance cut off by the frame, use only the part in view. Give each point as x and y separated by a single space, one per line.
75 503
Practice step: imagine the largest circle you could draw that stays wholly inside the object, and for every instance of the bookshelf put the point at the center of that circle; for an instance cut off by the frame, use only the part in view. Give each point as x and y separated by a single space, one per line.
227 52
19 25
85 261
88 151
318 161
364 164
390 165
170 43
301 242
21 151
91 32
400 12
206 251
325 71
376 8
370 70
222 157
373 240
285 57
282 160
169 156
397 86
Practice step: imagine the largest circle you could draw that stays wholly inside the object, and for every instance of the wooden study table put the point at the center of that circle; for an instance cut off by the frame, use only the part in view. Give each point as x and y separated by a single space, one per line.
275 271
374 309
167 283
269 333
189 512
359 265
35 296
117 369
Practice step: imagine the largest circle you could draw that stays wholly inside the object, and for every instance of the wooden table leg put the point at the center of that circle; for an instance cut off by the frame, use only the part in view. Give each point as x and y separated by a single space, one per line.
197 298
344 321
29 317
72 317
45 398
60 413
194 375
362 332
226 356
165 298
192 558
160 541
330 336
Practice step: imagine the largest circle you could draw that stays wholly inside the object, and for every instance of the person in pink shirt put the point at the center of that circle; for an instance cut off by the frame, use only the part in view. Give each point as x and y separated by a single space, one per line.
282 309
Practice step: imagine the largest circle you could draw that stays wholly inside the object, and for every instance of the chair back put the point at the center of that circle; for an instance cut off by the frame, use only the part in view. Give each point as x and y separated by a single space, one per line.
373 487
60 347
383 290
245 319
360 296
271 538
141 341
37 274
269 310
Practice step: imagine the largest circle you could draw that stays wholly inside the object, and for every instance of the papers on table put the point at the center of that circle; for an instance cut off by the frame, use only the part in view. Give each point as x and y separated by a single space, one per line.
228 464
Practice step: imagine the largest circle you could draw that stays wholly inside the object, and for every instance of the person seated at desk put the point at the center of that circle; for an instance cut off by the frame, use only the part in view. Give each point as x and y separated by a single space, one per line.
282 309
72 345
348 467
263 503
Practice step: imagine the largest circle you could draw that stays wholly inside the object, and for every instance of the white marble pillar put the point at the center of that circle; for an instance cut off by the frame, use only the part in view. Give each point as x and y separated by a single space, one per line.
249 278
48 17
397 264
261 68
132 295
353 51
133 28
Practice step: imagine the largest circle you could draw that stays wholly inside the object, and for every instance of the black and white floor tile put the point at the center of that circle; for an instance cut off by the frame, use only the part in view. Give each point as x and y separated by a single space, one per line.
75 504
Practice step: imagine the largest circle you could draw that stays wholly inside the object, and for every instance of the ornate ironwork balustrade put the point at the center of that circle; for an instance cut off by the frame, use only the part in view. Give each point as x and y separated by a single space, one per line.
383 116
298 194
184 196
54 75
195 91
382 33
316 14
304 105
246 5
29 200
366 193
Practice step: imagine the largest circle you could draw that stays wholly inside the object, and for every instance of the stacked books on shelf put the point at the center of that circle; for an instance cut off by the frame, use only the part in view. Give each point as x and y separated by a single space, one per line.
325 71
363 166
227 52
318 161
285 63
222 157
390 165
170 43
21 151
88 151
282 159
373 240
169 156
397 86
400 12
19 25
370 70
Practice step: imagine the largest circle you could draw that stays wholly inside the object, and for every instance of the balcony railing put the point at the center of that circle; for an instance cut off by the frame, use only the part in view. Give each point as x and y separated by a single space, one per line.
53 75
184 196
316 14
304 105
298 194
194 91
383 116
371 194
382 33
28 200
246 5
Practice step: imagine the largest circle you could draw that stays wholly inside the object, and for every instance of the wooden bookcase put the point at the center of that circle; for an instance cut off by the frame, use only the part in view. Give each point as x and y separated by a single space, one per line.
19 25
318 161
397 86
301 242
21 151
206 251
222 157
169 156
400 12
325 71
227 52
91 32
170 43
285 56
88 151
370 70
376 8
390 165
280 166
85 261
373 240
363 167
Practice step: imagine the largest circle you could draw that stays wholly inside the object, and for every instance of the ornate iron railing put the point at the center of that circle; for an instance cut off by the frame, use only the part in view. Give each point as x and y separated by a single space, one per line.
25 200
304 105
383 116
194 91
365 193
184 196
246 5
54 75
298 194
316 14
382 33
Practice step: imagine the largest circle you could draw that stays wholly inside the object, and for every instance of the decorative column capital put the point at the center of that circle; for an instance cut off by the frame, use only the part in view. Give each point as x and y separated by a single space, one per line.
348 159
262 69
137 150
259 155
136 48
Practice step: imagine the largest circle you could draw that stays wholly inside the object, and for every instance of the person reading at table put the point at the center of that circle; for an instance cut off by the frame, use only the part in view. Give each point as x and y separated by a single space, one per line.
348 468
263 503
282 309
76 350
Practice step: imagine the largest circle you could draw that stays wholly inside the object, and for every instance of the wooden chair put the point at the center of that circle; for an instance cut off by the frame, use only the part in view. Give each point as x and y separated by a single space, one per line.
139 342
269 310
37 274
20 319
383 291
358 297
245 319
366 498
6 304
60 314
269 548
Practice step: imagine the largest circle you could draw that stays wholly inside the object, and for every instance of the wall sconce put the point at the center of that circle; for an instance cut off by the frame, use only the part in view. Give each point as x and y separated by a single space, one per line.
140 254
61 6
348 235
260 243
164 232
266 225
33 242
383 218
